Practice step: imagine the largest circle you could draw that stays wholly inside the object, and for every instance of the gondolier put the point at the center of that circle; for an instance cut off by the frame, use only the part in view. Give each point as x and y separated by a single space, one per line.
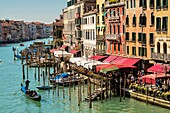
27 83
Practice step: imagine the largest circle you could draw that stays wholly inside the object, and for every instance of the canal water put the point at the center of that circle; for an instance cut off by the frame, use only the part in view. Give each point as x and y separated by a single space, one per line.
12 100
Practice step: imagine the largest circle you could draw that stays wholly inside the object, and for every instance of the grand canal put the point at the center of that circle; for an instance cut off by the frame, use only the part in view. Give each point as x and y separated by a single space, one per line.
12 100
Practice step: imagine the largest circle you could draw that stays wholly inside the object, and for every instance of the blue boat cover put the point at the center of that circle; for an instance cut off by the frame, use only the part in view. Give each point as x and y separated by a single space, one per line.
63 75
23 88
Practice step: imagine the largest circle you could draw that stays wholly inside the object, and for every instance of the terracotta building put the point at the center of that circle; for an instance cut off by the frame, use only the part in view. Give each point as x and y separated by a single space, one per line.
115 27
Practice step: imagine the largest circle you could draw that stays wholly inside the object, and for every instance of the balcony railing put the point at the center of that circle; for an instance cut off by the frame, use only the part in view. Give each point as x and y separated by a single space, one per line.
115 37
160 56
113 4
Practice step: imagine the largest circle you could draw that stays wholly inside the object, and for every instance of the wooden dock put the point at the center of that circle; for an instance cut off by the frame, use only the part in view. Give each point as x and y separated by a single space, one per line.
148 99
96 93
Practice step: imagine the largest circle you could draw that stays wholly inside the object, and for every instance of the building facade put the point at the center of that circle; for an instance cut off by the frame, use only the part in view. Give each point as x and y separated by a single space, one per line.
100 20
140 32
89 33
115 27
162 28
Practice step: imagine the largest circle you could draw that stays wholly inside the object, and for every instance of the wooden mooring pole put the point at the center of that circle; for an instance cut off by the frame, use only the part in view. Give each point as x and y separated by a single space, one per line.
89 85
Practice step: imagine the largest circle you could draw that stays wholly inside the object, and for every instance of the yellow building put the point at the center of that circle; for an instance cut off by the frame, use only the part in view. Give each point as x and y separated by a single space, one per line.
162 28
100 27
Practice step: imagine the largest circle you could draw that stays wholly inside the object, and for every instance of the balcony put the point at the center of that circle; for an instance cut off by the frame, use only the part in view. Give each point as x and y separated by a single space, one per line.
160 56
164 30
115 37
114 19
114 4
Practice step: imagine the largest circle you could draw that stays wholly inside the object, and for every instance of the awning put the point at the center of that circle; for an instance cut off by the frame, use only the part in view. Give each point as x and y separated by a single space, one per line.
110 59
150 79
131 61
97 57
74 51
158 68
112 68
119 60
63 47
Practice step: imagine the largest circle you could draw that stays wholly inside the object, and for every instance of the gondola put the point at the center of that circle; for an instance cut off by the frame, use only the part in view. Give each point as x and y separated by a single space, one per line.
45 87
32 94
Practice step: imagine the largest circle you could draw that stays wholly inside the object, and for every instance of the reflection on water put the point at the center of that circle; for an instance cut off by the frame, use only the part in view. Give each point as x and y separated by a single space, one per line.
11 78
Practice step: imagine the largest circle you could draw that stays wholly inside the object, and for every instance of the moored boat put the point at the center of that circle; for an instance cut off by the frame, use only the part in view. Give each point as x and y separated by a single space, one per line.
32 94
21 44
45 87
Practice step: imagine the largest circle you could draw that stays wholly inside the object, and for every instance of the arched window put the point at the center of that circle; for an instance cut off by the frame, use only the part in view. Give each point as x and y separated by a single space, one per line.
164 48
134 20
127 20
158 47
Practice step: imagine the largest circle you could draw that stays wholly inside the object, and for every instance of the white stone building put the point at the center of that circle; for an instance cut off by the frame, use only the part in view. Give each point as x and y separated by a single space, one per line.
89 33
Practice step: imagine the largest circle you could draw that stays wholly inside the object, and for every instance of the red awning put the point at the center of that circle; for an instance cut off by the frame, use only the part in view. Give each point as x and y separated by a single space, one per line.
119 60
158 68
97 57
63 47
149 79
109 59
74 51
52 50
130 61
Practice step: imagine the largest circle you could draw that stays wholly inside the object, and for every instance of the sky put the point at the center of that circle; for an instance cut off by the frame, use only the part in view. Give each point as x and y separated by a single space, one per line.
45 11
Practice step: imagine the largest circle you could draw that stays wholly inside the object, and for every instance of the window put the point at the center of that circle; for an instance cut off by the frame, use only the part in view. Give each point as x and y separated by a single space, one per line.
85 21
164 24
139 37
134 21
118 12
110 47
164 48
118 47
134 37
123 11
144 20
151 5
143 4
158 24
98 20
118 27
114 27
92 20
158 4
152 50
127 4
140 20
127 20
165 4
110 28
98 8
110 12
123 29
152 19
158 47
133 50
102 7
139 51
144 39
127 50
151 35
131 4
134 3
114 46
127 36
103 19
